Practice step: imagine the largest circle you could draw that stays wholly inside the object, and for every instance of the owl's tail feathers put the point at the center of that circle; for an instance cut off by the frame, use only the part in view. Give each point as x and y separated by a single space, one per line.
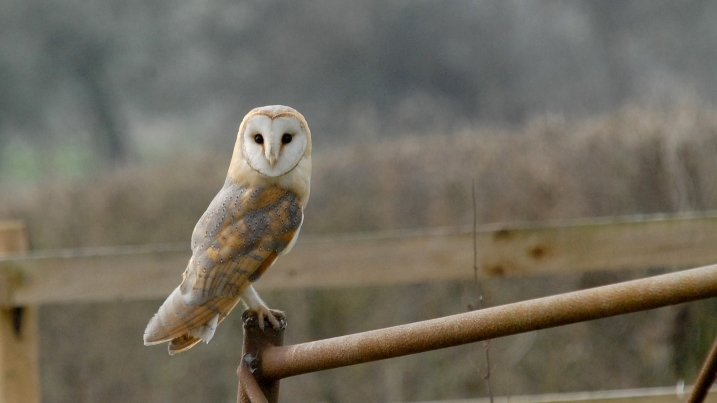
182 344
183 324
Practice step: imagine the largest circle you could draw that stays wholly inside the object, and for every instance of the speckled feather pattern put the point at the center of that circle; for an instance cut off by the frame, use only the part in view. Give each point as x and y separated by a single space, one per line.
235 241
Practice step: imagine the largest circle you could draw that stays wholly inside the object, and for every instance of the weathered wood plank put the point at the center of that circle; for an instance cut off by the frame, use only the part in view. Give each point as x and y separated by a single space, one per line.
386 258
13 238
643 395
19 358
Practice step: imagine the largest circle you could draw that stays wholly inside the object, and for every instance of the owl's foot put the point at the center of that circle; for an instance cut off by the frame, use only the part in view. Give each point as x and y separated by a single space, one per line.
276 318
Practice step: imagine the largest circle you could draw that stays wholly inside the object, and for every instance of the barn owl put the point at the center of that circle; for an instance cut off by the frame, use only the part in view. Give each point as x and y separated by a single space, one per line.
254 218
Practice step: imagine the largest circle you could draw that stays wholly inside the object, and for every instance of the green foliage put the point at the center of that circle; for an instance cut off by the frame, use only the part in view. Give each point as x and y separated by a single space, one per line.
19 161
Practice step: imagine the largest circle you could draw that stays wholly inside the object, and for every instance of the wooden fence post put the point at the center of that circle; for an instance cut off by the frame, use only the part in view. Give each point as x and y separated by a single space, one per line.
19 358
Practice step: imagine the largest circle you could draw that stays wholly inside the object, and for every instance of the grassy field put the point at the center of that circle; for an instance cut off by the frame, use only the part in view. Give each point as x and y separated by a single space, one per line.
634 161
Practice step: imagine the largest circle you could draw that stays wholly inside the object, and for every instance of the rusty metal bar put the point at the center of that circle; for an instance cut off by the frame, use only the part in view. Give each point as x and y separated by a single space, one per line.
520 317
253 386
707 376
249 390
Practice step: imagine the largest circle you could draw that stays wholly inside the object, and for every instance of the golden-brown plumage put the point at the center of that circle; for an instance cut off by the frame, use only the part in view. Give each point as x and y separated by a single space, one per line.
253 219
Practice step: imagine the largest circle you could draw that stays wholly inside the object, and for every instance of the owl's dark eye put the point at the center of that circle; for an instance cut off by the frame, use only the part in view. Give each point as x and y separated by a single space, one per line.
259 139
286 138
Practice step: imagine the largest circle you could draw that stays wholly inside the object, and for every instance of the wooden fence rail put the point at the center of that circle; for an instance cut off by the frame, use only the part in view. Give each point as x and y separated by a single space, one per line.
147 272
642 395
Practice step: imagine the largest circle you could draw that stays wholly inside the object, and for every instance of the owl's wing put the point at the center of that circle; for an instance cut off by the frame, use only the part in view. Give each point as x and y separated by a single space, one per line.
237 239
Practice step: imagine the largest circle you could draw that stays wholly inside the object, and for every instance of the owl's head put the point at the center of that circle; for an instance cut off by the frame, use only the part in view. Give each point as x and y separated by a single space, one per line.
273 141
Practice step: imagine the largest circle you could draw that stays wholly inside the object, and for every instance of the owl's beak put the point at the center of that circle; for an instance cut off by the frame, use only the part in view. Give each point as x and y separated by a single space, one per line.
272 156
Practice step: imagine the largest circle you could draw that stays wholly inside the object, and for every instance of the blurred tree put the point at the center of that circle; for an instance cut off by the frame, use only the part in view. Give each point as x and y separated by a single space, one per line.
80 55
608 23
36 65
88 65
412 67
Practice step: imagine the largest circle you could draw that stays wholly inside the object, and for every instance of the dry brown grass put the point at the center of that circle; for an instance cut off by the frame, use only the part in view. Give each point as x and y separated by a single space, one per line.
634 161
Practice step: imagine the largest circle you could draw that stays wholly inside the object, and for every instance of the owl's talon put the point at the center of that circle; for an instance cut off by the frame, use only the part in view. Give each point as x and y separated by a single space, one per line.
271 315
280 318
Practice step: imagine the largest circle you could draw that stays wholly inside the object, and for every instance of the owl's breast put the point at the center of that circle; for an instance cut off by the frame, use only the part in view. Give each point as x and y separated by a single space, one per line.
240 220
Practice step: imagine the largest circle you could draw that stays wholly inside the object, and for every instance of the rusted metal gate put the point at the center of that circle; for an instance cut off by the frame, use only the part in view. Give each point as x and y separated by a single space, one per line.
266 361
